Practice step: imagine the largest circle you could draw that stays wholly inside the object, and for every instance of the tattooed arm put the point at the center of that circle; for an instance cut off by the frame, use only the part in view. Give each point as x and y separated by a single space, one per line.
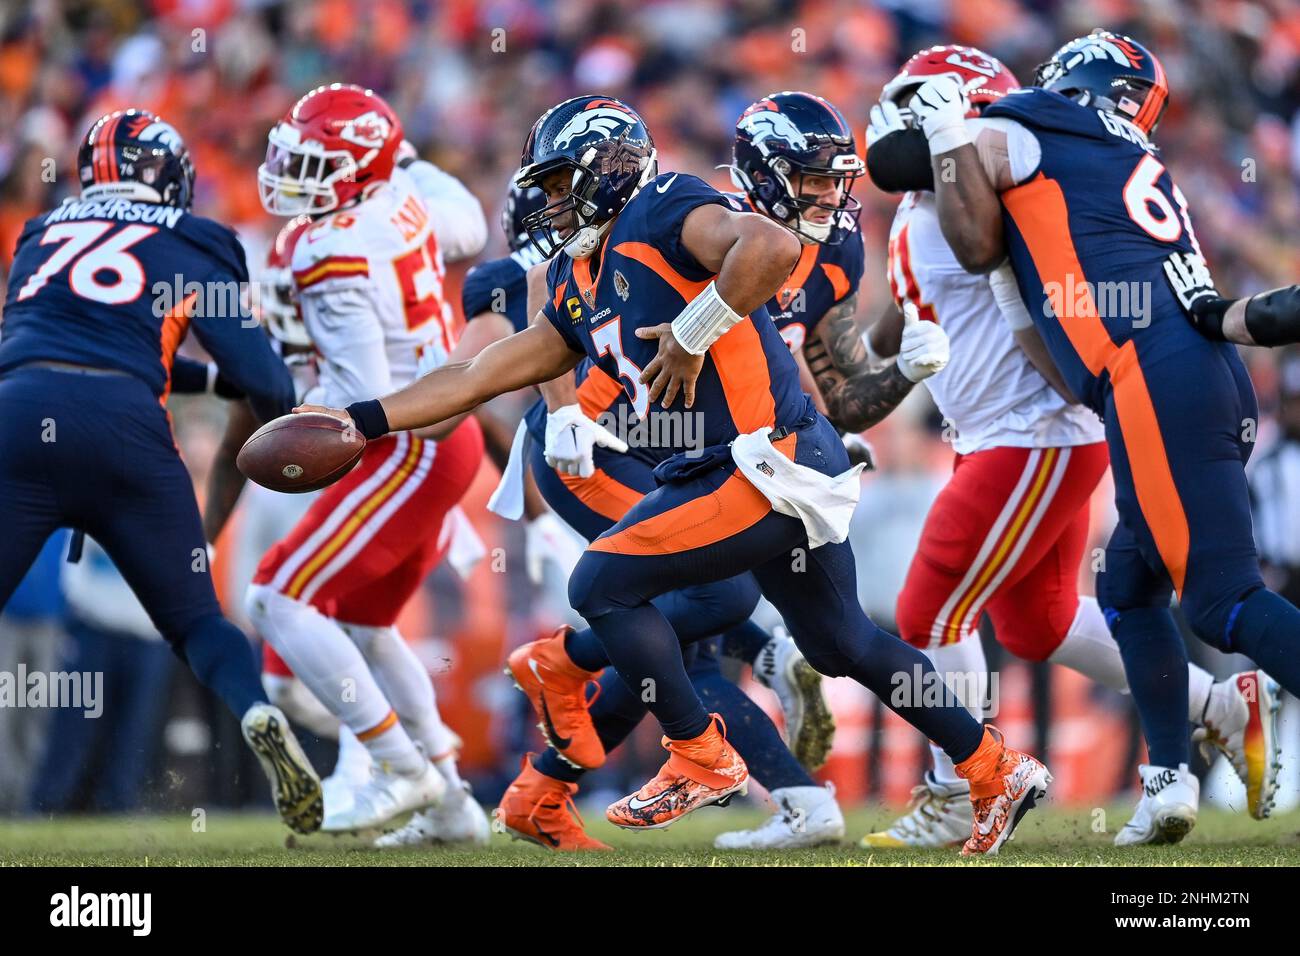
856 397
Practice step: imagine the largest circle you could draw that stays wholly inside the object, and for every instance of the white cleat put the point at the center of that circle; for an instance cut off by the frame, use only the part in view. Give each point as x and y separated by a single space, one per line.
1240 721
806 816
939 815
457 819
809 724
1167 811
384 797
294 784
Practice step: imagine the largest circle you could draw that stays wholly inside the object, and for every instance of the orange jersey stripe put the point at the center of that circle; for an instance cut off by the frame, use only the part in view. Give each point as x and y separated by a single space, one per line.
1040 213
746 382
602 493
706 520
1153 480
653 259
174 326
838 280
597 392
355 521
799 274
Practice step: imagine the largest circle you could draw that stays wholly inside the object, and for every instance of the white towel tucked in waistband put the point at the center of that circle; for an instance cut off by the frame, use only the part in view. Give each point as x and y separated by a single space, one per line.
824 504
508 499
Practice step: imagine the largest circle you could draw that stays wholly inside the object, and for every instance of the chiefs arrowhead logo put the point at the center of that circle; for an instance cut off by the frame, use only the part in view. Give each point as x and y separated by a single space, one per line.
370 130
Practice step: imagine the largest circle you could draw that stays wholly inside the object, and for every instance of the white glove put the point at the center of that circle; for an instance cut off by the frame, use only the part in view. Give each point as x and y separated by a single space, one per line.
886 118
570 438
940 106
1190 278
924 348
547 539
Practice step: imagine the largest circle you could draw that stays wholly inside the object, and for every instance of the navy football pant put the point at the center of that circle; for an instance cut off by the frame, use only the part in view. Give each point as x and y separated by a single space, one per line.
95 452
1180 428
710 524
694 613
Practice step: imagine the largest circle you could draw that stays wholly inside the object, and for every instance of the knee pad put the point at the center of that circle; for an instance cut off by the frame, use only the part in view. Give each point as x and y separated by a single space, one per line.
593 586
371 639
1211 616
267 608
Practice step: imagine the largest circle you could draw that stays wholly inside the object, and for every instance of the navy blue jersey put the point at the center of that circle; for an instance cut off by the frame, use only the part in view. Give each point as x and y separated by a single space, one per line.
501 286
118 284
1088 235
825 276
646 277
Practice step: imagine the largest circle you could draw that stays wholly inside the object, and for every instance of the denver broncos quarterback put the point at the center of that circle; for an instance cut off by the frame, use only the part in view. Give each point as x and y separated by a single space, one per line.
772 490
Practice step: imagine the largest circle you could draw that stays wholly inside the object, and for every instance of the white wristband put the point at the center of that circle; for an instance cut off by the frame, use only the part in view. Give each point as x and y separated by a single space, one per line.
949 138
1006 293
704 320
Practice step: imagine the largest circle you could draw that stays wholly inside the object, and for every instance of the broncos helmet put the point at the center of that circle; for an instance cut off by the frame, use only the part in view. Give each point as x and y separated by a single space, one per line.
1110 72
520 203
133 154
608 151
784 137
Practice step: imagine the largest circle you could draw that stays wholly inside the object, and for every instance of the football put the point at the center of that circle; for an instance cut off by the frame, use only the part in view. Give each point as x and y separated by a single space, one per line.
299 453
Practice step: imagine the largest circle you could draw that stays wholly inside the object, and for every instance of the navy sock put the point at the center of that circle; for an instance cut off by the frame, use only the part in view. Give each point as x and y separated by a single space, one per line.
585 650
643 648
1266 628
1155 660
905 680
223 660
752 733
745 642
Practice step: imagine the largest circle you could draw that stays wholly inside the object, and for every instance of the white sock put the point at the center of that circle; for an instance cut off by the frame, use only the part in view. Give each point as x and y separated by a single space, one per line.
1090 648
965 670
325 659
1199 684
406 683
354 759
300 705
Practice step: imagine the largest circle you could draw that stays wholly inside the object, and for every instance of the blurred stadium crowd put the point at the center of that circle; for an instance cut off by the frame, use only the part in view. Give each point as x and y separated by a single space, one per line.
468 77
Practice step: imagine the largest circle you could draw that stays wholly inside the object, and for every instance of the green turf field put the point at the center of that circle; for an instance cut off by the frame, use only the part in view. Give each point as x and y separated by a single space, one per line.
1052 836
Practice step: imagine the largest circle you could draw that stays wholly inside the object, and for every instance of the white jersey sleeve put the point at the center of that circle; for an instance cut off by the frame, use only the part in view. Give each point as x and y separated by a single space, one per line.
457 216
1024 152
370 279
345 326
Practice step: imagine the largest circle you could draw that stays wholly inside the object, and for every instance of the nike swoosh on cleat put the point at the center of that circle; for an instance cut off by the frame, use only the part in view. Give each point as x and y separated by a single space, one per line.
552 735
663 187
636 803
532 666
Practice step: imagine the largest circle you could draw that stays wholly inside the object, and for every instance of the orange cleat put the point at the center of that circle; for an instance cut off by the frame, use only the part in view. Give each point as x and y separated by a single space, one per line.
540 809
700 772
1005 784
557 689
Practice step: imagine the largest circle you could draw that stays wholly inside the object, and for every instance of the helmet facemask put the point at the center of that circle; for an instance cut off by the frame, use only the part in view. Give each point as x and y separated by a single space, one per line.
299 177
592 213
781 196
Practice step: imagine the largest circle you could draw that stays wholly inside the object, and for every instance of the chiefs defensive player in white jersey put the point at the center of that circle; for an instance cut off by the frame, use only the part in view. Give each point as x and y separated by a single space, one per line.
1007 534
368 272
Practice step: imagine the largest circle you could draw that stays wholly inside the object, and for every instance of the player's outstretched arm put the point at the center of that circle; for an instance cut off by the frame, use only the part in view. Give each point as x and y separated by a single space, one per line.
534 355
1269 318
751 256
856 396
966 199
